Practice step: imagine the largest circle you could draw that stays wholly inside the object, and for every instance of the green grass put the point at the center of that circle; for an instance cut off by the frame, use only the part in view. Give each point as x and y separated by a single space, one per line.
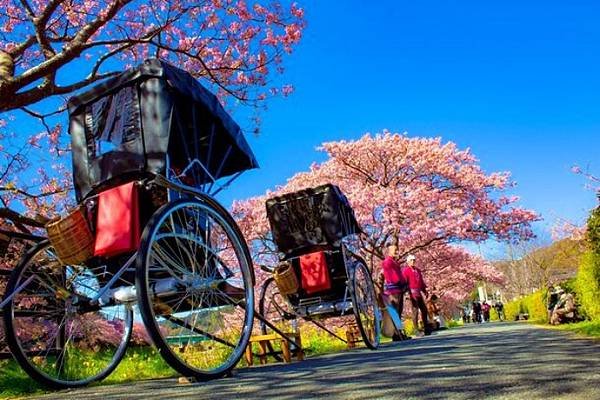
585 328
139 363
14 382
316 341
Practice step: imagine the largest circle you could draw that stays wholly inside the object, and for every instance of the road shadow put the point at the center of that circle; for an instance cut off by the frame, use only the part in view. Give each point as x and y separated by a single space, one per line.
499 360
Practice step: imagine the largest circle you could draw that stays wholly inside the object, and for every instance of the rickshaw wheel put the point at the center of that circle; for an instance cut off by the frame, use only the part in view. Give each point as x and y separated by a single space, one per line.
364 304
275 309
195 288
58 338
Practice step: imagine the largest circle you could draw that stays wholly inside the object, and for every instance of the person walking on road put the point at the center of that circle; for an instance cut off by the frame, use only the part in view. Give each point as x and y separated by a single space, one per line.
499 310
476 312
394 284
418 292
485 310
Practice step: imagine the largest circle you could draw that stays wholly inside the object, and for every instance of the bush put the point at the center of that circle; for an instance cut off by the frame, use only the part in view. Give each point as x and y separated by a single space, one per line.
533 304
511 309
588 285
593 230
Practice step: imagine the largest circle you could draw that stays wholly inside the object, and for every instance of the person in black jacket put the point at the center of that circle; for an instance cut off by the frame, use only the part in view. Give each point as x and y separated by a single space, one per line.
477 312
499 310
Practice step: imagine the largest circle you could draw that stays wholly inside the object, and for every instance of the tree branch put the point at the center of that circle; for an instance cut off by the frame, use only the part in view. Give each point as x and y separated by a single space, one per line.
72 50
19 219
30 195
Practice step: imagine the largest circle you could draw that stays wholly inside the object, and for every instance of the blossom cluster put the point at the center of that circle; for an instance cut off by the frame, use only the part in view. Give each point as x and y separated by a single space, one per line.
421 193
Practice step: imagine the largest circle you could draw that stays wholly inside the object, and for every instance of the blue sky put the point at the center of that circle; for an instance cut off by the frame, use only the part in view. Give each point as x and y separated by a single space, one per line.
518 84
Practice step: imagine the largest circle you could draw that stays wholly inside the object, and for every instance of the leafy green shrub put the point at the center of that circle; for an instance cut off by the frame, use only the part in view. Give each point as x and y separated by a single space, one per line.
494 315
409 328
533 304
593 230
588 285
512 309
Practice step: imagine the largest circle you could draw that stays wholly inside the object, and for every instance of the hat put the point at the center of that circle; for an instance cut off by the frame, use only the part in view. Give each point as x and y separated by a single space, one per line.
558 289
411 257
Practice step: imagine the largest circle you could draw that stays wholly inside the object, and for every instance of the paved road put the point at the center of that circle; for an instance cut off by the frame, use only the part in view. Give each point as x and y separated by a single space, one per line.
497 361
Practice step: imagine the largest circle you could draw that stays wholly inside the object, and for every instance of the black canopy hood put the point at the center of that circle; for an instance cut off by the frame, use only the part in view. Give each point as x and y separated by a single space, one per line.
150 118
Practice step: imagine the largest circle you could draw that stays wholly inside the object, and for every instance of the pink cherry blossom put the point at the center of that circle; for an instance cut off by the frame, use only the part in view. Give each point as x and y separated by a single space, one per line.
424 194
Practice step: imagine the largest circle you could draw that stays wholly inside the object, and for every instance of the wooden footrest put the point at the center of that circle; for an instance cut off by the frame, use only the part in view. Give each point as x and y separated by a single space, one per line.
263 341
353 336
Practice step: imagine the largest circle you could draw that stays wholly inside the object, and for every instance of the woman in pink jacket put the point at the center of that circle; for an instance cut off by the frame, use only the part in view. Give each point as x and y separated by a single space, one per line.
394 285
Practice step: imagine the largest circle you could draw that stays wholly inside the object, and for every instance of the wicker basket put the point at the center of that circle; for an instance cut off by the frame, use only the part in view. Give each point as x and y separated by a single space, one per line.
71 238
286 279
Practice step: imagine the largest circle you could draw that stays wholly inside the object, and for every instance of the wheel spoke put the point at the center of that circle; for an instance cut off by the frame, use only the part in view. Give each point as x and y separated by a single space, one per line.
51 335
192 328
365 306
199 326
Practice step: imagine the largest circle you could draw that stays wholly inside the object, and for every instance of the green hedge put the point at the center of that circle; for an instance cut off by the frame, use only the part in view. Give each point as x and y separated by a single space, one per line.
587 286
533 304
593 230
512 309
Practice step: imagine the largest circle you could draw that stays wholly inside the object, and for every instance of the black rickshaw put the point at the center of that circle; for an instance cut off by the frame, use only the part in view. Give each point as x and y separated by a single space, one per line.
151 147
318 276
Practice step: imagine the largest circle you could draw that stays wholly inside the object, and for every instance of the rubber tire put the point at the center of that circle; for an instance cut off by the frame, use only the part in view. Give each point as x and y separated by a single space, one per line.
145 306
377 317
16 350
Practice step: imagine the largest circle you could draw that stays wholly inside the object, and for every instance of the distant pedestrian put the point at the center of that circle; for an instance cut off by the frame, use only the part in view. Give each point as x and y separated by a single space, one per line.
463 314
418 292
499 307
476 312
466 314
485 311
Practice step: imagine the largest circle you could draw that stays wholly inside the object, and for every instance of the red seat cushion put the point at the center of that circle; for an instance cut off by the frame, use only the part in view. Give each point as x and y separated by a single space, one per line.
118 221
315 276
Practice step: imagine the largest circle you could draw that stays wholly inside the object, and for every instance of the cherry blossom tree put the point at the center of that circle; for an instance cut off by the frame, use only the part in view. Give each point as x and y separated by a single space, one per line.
427 196
49 49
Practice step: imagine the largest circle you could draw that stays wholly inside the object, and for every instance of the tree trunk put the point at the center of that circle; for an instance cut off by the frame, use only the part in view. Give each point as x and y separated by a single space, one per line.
7 66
